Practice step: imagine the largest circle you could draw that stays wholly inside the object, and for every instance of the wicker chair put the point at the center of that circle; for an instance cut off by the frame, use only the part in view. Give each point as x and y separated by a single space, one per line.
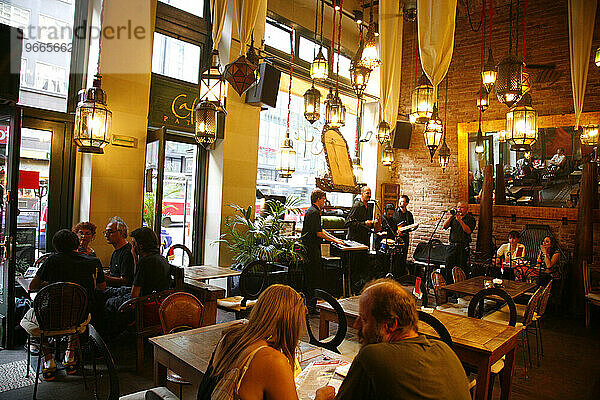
170 253
441 299
61 309
458 274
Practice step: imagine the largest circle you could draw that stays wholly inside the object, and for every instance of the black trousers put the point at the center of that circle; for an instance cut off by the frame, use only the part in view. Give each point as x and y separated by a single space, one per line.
313 272
457 256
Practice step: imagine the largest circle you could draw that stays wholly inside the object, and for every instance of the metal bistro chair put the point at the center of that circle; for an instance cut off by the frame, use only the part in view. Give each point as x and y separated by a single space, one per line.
179 312
61 309
253 281
441 298
333 342
170 254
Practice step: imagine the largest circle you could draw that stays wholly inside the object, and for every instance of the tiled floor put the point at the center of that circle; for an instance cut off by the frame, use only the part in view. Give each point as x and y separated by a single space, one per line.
569 370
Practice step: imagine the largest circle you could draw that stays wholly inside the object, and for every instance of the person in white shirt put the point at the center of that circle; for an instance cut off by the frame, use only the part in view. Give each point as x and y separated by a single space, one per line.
558 160
510 254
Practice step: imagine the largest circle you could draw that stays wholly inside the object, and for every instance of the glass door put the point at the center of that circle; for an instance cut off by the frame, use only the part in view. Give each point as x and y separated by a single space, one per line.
10 132
174 174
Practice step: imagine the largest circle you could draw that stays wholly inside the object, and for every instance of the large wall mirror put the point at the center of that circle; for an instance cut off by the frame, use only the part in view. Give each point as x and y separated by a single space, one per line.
546 176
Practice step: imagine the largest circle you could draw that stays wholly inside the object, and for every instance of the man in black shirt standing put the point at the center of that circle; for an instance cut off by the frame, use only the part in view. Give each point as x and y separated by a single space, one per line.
403 217
461 225
359 227
312 233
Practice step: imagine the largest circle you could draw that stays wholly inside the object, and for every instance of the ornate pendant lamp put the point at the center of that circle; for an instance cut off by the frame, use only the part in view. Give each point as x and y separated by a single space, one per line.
597 57
433 132
335 111
387 155
205 123
383 132
319 68
312 104
444 154
479 142
241 74
422 101
502 136
359 74
589 135
212 84
521 125
93 119
509 80
370 57
488 75
286 156
483 99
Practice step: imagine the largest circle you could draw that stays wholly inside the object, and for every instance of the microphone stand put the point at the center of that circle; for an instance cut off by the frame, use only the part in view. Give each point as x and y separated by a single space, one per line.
425 292
389 274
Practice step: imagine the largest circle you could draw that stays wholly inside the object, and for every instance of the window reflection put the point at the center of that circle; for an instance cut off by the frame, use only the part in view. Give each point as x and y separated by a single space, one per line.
175 58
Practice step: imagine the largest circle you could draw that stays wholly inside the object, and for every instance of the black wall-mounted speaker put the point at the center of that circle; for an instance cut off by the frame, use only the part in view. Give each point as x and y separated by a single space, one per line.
402 135
264 93
10 63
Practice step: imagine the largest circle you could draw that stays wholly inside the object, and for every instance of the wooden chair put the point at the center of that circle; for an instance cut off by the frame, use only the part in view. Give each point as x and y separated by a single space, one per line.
458 274
333 342
592 293
38 263
170 254
253 281
441 299
61 309
179 312
539 313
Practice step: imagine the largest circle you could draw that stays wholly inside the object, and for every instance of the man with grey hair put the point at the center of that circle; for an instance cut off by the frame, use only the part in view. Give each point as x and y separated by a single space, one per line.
121 261
395 361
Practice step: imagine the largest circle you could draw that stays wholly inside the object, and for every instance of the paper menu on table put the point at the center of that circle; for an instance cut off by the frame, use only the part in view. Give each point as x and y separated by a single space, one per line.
315 376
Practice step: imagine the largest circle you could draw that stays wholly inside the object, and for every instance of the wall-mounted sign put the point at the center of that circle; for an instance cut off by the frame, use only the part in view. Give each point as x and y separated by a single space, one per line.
172 103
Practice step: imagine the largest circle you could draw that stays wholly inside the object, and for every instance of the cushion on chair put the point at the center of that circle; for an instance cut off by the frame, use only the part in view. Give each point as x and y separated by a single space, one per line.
501 317
234 303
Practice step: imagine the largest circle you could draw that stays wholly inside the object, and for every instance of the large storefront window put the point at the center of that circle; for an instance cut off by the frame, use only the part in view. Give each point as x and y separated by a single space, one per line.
46 59
310 159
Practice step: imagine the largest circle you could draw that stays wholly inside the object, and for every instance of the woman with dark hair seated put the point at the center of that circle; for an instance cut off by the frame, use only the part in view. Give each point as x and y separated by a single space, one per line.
548 261
256 359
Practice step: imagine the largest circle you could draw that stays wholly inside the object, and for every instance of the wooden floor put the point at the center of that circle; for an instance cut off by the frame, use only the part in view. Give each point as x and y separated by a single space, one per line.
569 370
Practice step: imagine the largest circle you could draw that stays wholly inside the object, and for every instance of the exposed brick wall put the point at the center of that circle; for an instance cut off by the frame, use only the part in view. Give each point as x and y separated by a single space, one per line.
546 43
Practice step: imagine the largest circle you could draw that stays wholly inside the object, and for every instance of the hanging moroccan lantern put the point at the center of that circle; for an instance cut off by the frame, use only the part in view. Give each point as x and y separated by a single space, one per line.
509 81
312 104
387 155
205 123
240 74
286 158
488 75
597 57
212 84
422 101
383 132
319 69
335 111
502 136
479 142
370 57
444 154
433 132
93 119
359 77
483 99
521 125
589 135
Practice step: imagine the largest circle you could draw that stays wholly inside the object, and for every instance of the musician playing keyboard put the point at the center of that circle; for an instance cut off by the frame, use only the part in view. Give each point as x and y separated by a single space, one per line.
403 217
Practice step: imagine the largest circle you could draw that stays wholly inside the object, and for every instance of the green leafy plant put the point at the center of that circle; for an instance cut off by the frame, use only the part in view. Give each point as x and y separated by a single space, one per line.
253 238
149 207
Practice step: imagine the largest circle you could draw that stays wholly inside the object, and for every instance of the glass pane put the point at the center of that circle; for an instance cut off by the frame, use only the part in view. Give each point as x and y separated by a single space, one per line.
34 180
150 179
177 225
4 138
309 49
344 65
195 7
46 57
175 58
277 38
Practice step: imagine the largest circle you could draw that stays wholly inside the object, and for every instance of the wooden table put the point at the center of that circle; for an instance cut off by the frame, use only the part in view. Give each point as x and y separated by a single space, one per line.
188 353
477 342
206 272
474 285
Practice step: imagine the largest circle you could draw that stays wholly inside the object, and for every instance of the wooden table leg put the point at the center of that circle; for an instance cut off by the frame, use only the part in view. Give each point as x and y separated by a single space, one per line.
160 372
483 379
210 313
323 326
507 374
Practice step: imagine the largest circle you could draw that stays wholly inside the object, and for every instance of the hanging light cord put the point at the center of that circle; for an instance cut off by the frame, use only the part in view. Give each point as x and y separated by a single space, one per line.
517 27
337 72
510 20
357 144
287 129
524 27
482 35
316 23
322 10
471 22
446 109
491 18
333 32
416 47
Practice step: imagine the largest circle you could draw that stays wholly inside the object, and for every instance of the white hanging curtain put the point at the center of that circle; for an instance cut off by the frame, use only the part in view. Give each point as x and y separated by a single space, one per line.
581 30
390 52
436 21
218 12
246 12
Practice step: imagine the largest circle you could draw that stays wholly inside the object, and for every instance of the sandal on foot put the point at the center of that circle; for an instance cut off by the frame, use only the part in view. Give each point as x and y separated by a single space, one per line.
70 367
49 373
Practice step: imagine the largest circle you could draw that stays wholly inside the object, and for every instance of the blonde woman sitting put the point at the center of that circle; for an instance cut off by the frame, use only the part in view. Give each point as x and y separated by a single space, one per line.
256 360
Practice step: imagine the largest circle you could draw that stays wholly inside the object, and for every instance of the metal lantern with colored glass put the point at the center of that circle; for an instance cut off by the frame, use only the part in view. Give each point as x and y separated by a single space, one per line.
488 75
286 158
335 111
212 84
370 57
359 77
509 80
422 101
387 155
521 125
205 123
312 104
92 119
589 135
483 99
444 154
383 132
319 69
597 57
479 142
502 136
433 132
